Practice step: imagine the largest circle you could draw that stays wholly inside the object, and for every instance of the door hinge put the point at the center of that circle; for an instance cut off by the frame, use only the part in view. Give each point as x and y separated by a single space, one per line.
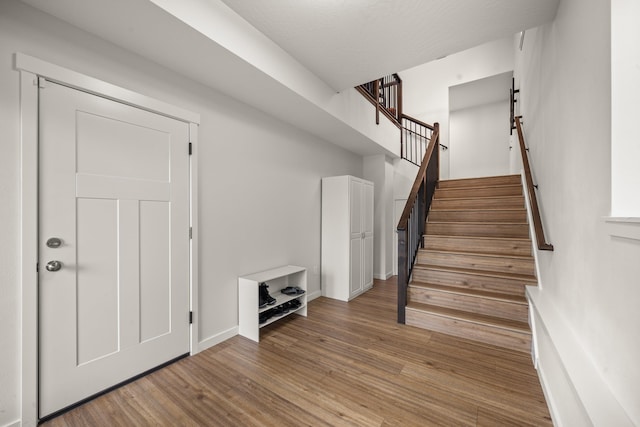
190 232
191 317
190 148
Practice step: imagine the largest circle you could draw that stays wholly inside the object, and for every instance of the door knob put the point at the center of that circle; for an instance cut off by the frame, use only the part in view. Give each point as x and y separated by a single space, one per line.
54 265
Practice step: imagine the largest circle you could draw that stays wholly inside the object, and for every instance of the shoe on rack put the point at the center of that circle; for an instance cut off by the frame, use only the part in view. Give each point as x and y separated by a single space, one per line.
264 294
264 316
292 290
294 304
262 303
277 311
284 307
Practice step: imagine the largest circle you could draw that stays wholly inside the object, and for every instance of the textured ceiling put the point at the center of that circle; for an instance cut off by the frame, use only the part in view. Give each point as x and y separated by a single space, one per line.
349 42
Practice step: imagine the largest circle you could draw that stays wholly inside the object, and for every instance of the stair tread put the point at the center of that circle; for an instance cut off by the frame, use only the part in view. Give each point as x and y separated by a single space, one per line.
508 239
480 209
481 254
517 299
486 273
473 187
479 197
485 224
483 319
504 178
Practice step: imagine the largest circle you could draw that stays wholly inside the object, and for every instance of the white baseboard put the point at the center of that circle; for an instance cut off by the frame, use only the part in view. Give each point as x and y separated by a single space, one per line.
383 276
573 387
14 424
217 339
313 295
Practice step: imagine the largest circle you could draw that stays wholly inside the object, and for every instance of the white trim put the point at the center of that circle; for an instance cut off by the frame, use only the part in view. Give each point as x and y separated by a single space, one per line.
13 424
313 295
92 85
195 278
548 397
590 392
30 68
217 338
29 245
625 227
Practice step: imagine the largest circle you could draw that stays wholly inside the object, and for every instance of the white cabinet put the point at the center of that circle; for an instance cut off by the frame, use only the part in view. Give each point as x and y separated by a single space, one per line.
277 279
347 237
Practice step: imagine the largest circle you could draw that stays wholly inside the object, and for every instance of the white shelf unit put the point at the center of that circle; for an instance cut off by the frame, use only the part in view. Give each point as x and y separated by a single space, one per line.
277 279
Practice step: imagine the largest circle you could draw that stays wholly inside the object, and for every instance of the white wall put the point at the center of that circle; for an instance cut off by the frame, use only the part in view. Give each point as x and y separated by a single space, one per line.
426 87
379 170
479 141
590 287
259 178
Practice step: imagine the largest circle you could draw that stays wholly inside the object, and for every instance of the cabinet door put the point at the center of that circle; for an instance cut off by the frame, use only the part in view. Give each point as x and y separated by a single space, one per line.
367 262
367 209
355 208
367 242
355 266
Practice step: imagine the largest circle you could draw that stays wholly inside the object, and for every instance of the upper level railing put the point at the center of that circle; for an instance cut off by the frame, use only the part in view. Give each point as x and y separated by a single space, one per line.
533 200
414 217
385 94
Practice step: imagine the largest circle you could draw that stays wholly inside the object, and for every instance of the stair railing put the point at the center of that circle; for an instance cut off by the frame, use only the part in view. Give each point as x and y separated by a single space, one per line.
414 217
385 94
415 136
533 200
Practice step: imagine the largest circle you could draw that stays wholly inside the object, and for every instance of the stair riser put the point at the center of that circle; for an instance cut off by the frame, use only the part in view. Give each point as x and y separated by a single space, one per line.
479 203
477 262
470 244
481 182
470 303
478 230
519 216
478 332
462 193
470 281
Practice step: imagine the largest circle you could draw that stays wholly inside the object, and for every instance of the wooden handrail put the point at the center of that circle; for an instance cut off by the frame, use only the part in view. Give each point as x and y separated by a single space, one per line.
402 224
533 200
414 216
421 123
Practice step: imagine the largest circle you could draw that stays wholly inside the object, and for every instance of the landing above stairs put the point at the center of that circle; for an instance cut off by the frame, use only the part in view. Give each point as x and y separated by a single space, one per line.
470 278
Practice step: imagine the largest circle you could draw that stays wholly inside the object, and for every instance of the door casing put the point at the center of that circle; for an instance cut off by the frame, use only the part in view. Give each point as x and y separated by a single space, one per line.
31 69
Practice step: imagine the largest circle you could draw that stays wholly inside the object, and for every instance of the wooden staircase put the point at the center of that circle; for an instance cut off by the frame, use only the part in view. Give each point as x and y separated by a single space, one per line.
470 278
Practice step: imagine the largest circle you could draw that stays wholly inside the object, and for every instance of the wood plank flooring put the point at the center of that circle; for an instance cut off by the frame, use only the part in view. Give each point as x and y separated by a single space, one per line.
347 364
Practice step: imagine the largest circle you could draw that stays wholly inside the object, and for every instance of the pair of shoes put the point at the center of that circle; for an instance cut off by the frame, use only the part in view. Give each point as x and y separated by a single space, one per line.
292 290
280 310
293 304
276 311
264 316
264 298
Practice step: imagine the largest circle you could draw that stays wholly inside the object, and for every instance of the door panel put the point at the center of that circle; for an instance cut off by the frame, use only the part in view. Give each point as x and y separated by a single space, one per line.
355 207
114 186
367 263
355 285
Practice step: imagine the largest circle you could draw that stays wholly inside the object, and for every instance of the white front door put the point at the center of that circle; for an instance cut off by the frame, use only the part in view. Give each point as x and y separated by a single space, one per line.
114 189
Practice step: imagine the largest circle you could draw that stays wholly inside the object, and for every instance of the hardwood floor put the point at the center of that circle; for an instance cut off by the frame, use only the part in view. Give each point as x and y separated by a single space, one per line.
346 364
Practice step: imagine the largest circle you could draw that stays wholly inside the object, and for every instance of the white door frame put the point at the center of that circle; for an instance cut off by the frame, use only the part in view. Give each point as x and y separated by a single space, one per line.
30 70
